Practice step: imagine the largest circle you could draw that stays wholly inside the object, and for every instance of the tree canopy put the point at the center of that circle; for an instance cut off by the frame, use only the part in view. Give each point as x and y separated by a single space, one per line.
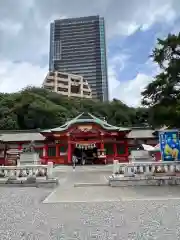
162 96
39 108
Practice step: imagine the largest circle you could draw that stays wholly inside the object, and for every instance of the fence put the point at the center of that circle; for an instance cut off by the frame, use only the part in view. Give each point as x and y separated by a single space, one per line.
146 168
26 171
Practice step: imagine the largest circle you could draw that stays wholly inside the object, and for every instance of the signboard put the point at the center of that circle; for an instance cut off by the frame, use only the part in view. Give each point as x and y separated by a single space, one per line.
86 146
57 135
114 134
169 145
85 128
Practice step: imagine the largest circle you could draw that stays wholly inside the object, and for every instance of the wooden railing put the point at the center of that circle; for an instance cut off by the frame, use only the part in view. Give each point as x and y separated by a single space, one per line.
147 168
26 171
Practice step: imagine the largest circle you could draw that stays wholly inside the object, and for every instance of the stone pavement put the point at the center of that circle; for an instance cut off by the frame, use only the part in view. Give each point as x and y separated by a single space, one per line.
85 168
24 217
90 212
88 185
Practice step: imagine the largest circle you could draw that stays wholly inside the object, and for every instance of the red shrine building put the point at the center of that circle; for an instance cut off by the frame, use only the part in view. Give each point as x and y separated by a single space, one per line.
84 136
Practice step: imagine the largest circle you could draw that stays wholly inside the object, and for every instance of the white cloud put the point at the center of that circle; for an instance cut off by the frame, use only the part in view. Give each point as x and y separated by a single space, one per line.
15 76
129 91
125 28
113 81
146 16
165 14
119 61
10 27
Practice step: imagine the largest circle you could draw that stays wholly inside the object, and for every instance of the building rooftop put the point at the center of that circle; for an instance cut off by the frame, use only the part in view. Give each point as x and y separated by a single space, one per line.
37 134
21 137
87 118
66 84
141 133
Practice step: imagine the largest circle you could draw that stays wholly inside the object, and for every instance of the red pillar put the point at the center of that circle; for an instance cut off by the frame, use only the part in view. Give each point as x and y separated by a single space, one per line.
57 153
115 149
102 140
57 150
69 149
46 150
102 146
20 146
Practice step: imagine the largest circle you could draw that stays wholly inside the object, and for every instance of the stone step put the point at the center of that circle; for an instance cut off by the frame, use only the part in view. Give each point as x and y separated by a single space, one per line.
120 181
90 184
103 168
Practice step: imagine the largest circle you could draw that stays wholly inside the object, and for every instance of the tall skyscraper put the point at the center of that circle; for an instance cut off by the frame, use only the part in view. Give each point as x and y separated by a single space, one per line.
78 46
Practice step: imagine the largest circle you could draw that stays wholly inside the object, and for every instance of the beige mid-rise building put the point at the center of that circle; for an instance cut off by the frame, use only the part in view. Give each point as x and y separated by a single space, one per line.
70 85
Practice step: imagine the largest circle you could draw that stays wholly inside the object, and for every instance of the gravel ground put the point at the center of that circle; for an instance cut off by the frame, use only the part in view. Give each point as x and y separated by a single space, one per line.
24 216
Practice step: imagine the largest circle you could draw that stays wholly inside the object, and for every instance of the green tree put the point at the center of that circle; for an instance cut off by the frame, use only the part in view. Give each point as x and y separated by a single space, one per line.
163 95
34 108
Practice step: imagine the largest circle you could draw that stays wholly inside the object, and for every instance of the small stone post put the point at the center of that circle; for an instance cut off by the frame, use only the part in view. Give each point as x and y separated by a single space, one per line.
35 158
50 170
18 162
115 166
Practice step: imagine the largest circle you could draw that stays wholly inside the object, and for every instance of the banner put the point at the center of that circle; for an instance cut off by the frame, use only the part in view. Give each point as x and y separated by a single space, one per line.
169 145
86 146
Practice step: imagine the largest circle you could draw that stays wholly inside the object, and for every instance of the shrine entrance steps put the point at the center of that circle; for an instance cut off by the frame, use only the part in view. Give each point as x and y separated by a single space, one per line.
82 176
80 185
85 168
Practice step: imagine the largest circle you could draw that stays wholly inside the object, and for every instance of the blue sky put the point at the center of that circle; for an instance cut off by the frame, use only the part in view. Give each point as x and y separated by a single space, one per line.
138 46
132 28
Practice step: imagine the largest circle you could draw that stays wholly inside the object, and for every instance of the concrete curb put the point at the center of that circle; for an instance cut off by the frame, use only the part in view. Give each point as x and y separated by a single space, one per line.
91 184
116 181
51 183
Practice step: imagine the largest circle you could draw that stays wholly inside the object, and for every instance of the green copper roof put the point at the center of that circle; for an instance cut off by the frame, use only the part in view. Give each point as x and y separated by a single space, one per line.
87 118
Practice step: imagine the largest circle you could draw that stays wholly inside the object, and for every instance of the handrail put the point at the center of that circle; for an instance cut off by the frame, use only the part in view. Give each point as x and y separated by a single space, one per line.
131 169
27 171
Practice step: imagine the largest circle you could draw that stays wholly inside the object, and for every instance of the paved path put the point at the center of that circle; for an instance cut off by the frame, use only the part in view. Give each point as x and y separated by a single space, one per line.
86 168
87 184
82 174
